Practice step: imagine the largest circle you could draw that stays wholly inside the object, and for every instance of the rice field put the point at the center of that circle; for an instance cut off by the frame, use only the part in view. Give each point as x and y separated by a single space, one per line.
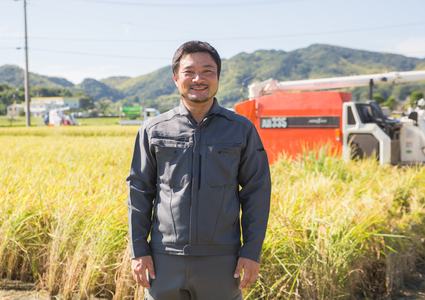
337 230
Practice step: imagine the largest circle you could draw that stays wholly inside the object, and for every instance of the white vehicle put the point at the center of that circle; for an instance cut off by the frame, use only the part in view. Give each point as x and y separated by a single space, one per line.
58 118
361 129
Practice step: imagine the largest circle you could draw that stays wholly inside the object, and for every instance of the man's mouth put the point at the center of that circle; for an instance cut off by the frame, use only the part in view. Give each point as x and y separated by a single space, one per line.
199 87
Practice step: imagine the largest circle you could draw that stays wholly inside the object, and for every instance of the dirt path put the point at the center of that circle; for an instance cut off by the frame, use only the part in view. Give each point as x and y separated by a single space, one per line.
15 290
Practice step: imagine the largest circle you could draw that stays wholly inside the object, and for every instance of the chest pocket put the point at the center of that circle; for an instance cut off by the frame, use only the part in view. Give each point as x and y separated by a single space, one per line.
174 157
221 164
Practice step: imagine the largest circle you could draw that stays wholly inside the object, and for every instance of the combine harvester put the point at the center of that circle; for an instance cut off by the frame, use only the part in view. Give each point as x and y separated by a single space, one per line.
58 118
133 112
288 122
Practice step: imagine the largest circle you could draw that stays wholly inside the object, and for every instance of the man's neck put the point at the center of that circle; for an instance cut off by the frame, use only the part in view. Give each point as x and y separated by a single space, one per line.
198 110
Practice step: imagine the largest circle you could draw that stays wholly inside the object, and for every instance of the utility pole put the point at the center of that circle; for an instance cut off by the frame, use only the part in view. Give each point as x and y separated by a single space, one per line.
27 85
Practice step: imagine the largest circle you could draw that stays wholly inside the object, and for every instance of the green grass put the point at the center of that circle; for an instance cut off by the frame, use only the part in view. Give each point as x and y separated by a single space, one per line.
19 122
39 122
337 230
102 121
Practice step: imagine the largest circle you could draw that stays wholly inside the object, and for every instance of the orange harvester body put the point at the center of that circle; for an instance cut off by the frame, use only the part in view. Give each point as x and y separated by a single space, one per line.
290 122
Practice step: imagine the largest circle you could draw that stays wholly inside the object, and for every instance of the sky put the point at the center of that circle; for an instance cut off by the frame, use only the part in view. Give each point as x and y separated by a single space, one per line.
77 39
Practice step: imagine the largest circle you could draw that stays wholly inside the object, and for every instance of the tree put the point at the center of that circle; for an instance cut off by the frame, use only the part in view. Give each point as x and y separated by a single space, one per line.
378 98
391 103
415 96
106 107
8 95
86 101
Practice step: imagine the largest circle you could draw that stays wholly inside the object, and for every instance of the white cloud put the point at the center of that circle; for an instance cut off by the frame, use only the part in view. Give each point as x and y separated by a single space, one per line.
412 46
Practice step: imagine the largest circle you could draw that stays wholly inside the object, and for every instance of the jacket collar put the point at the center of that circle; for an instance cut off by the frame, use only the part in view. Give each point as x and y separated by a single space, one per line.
213 110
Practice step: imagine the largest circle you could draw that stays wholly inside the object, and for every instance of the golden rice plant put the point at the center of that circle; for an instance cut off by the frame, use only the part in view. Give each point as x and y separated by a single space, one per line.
63 211
337 230
87 131
341 230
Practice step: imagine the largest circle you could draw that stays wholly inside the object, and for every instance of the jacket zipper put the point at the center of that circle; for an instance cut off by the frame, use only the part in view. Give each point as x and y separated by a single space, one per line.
177 139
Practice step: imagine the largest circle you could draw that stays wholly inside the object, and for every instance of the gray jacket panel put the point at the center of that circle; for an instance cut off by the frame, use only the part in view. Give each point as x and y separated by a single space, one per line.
189 182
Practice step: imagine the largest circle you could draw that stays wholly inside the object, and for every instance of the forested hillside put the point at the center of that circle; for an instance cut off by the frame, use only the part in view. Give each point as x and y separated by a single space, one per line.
157 89
14 76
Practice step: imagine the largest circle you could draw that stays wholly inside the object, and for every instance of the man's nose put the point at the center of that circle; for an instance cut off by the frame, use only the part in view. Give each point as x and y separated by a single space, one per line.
198 77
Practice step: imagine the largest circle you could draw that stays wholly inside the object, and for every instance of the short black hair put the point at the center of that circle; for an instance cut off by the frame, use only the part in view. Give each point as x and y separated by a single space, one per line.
195 47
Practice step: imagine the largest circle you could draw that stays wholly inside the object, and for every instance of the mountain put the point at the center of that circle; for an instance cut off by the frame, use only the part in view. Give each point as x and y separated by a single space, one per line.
316 61
14 76
152 85
98 90
115 81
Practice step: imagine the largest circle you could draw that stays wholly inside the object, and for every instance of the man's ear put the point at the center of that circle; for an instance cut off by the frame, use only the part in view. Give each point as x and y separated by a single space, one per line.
175 80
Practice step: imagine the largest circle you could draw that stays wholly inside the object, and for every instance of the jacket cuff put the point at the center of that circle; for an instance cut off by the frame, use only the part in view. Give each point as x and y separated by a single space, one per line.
140 249
252 252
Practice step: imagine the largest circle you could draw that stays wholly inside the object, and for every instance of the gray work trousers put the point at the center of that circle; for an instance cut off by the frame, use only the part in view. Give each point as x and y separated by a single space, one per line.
194 278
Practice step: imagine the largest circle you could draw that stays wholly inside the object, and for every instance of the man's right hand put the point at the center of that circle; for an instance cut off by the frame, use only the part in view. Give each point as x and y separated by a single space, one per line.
138 268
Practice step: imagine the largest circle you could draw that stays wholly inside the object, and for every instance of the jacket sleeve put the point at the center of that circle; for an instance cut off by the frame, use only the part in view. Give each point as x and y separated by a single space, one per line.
254 195
142 184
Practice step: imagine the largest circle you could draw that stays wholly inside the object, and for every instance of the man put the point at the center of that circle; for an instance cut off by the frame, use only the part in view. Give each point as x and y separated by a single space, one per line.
193 169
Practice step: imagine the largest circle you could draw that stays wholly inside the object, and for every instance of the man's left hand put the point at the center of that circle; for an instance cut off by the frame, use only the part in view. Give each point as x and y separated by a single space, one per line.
251 270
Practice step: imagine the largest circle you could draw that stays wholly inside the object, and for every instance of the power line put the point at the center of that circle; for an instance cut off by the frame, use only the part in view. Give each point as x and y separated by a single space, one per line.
228 38
164 58
111 20
195 5
96 54
159 58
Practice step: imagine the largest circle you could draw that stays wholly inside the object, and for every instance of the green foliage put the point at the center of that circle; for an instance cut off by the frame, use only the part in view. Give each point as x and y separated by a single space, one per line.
86 100
163 103
151 86
9 94
399 91
391 103
116 81
40 91
107 107
415 96
3 109
98 90
378 98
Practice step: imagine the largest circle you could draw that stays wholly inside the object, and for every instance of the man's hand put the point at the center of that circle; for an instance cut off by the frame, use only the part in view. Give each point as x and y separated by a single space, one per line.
251 271
138 268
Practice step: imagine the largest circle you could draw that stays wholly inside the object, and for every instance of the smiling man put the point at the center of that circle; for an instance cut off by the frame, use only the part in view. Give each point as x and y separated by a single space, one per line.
195 168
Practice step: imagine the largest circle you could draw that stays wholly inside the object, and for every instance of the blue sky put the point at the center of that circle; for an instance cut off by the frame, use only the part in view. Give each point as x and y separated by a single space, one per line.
77 39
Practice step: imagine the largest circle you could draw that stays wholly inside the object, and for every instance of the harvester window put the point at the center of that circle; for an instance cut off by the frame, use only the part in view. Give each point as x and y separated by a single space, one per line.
363 113
350 116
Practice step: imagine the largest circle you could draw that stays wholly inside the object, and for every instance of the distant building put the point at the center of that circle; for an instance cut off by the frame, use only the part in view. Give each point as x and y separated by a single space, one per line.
42 105
18 108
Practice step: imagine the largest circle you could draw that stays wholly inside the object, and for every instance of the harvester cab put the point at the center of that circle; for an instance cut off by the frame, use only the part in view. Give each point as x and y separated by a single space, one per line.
368 132
288 122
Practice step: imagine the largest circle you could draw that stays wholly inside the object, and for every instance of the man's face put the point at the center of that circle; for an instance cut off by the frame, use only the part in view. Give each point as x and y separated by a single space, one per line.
197 78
